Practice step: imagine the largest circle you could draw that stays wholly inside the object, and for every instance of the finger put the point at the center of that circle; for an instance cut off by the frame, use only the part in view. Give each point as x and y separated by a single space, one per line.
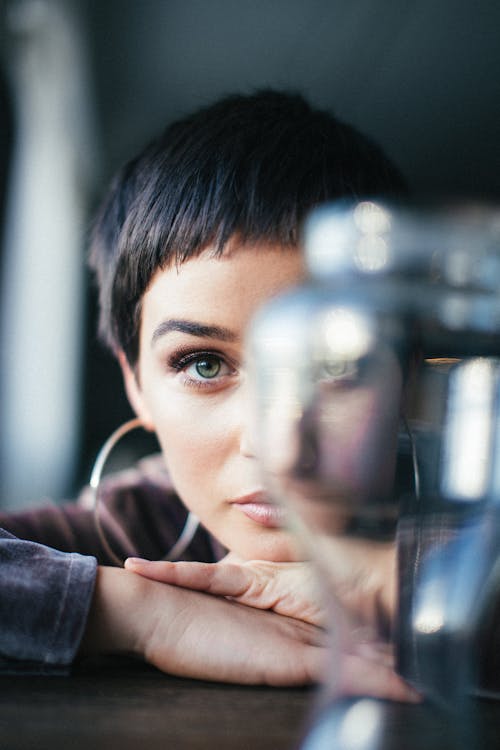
220 579
361 676
382 653
301 665
256 584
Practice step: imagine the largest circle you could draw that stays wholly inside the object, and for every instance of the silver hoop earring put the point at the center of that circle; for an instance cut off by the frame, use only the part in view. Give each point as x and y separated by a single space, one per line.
190 526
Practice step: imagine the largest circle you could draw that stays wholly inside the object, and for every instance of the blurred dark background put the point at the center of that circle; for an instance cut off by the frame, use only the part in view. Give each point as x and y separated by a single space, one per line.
421 78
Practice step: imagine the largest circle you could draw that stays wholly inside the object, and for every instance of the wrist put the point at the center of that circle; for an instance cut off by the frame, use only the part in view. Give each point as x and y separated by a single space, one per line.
115 623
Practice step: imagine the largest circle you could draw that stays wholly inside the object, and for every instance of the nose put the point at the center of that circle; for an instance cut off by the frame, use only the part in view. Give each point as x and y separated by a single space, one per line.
247 444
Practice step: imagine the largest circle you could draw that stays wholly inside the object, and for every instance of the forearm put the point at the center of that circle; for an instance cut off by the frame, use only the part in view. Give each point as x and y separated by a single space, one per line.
197 635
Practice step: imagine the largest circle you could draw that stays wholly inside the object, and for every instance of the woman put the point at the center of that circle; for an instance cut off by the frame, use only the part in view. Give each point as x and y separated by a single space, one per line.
195 233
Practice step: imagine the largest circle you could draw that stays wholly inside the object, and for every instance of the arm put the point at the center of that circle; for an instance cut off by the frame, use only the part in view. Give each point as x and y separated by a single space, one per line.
363 666
196 635
48 601
362 577
45 596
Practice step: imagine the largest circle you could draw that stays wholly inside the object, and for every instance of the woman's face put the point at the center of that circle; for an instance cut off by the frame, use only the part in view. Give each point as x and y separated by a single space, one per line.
192 389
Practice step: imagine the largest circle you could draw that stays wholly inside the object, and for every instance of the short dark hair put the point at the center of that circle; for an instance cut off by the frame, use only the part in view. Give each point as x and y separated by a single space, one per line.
249 165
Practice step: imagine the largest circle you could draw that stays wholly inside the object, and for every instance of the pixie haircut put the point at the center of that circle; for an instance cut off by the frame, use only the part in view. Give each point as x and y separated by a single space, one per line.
247 166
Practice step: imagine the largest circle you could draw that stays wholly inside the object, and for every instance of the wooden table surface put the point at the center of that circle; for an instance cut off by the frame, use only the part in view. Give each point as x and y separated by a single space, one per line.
124 705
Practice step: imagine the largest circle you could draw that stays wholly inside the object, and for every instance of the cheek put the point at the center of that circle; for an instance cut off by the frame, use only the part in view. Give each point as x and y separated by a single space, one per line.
195 440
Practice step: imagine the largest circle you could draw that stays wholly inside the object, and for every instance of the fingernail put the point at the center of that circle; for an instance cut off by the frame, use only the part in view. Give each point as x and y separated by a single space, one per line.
135 561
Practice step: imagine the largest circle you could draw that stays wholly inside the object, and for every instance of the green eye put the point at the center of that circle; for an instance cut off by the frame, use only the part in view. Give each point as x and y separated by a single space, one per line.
339 369
208 367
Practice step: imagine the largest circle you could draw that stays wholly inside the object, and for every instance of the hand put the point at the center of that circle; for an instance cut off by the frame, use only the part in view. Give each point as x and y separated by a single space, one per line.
289 589
195 635
365 666
361 575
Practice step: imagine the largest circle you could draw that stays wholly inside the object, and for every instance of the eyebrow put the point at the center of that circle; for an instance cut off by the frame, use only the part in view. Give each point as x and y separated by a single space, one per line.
192 328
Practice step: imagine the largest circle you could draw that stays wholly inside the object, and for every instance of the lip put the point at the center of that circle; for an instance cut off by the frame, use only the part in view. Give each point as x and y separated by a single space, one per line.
261 510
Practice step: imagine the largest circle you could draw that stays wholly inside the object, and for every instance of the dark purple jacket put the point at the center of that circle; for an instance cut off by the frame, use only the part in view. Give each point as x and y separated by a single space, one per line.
49 555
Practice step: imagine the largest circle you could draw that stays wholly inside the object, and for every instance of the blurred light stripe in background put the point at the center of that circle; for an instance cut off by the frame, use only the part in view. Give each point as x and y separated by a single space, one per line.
43 252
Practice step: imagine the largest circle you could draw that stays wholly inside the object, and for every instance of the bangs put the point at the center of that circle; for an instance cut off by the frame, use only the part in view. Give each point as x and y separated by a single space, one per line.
248 166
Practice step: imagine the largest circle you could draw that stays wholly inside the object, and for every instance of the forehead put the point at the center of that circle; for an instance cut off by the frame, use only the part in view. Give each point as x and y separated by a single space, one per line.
226 288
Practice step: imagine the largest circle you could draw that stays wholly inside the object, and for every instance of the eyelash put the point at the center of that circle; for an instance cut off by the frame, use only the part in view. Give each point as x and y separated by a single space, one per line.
180 360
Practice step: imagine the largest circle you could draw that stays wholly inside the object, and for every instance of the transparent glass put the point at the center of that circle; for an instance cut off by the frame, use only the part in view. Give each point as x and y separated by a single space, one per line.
376 389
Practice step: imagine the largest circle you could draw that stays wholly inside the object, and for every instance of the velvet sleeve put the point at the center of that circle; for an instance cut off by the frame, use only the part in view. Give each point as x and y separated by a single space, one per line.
45 597
139 511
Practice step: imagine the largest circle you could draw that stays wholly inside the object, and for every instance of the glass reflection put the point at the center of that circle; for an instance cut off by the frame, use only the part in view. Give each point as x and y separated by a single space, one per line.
387 359
329 415
468 430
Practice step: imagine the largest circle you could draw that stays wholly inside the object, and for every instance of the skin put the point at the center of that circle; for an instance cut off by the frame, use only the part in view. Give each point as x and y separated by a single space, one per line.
193 634
202 423
190 386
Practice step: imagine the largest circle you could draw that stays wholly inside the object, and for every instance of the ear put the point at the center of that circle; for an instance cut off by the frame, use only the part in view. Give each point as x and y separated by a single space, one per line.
134 393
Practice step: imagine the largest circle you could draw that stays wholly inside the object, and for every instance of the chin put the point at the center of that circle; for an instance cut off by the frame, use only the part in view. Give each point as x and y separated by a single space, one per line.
275 546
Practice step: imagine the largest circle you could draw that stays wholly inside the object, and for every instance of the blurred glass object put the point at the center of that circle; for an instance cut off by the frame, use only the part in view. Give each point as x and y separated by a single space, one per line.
468 429
43 269
389 354
329 409
355 725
